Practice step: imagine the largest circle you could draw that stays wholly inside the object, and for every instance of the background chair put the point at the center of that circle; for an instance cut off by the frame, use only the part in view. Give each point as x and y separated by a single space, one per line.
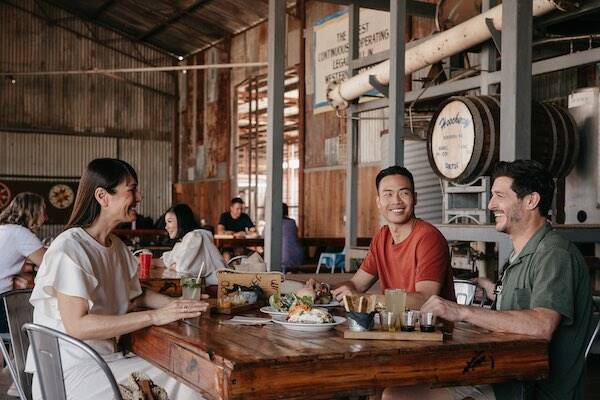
49 372
331 261
18 312
235 261
595 332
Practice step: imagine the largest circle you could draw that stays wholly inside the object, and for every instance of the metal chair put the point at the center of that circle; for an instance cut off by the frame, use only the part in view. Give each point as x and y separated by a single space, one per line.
46 353
595 331
18 311
234 261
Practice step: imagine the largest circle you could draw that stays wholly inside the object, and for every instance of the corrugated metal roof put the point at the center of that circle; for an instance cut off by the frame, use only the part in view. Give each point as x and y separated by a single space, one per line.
178 27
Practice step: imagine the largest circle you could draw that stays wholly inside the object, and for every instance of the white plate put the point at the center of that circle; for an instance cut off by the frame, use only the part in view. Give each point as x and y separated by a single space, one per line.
295 326
333 303
272 311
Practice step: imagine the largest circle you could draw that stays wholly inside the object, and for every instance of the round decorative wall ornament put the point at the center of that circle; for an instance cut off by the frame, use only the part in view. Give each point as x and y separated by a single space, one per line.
5 195
61 196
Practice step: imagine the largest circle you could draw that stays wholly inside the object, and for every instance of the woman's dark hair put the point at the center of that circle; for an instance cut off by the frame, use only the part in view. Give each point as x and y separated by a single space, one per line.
186 222
25 210
106 173
528 176
395 170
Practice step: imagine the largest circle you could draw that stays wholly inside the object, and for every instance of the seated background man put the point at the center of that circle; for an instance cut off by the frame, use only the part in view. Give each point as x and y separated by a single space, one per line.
544 291
236 222
407 253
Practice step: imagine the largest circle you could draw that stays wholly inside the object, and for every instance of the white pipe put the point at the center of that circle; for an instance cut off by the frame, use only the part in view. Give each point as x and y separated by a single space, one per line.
438 47
141 69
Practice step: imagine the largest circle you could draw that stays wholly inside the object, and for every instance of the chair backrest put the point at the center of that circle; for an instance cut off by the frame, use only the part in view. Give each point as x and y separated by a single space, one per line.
235 261
595 332
18 312
46 353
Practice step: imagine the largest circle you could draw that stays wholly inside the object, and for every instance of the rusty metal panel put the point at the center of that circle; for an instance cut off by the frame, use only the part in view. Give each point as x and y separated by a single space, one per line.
139 106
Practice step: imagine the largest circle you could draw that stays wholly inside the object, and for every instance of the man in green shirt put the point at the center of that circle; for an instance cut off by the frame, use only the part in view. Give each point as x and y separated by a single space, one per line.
544 291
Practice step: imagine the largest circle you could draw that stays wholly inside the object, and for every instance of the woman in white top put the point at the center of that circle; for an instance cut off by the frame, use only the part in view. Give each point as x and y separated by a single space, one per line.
194 246
87 285
20 248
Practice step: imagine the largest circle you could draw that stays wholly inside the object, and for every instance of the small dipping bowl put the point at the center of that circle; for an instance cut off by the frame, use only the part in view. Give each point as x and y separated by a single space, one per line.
250 297
360 322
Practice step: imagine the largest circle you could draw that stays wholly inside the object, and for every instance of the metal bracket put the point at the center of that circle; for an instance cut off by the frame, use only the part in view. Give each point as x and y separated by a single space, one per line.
496 34
381 88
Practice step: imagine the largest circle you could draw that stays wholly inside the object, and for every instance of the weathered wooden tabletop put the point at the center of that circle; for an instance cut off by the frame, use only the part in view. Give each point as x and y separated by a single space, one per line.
234 362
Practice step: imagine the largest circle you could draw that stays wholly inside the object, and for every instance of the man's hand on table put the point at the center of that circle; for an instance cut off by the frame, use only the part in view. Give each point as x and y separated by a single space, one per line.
178 309
445 309
344 290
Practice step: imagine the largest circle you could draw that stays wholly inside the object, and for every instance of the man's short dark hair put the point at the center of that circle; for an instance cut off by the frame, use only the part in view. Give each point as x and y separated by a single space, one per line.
528 176
395 170
237 200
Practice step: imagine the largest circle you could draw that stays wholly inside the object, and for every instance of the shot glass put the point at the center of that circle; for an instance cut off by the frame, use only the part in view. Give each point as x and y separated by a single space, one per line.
427 322
389 321
408 321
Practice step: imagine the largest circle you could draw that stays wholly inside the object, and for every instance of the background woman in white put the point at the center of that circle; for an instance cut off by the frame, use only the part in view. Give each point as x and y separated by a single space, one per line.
87 285
20 248
194 246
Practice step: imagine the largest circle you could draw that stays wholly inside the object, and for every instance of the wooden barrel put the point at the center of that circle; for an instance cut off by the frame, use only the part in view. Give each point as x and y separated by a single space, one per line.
464 138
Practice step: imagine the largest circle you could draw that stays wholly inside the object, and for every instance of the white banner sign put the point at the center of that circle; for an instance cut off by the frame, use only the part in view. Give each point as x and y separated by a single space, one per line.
330 47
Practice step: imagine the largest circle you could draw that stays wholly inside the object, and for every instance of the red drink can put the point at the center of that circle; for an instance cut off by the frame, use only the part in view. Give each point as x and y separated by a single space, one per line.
145 263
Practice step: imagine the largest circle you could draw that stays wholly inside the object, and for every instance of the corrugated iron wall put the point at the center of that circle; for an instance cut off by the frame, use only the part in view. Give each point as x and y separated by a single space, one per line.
372 146
141 106
42 155
130 116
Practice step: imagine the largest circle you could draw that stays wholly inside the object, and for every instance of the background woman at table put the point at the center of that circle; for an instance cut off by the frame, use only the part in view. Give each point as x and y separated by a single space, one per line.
87 285
194 246
20 248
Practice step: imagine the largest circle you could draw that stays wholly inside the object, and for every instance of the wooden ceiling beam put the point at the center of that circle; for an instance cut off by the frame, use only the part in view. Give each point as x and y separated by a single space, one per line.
413 7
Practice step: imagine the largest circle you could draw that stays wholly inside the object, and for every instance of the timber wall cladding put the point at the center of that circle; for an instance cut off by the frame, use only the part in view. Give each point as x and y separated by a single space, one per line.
327 196
205 198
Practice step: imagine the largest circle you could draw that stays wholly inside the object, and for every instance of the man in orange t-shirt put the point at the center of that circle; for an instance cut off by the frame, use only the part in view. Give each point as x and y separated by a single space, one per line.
407 253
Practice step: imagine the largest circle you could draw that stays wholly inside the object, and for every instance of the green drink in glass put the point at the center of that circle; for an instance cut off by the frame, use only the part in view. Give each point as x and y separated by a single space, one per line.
190 288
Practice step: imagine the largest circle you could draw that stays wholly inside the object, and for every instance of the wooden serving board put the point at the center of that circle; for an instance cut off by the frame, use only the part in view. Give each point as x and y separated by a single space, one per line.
436 336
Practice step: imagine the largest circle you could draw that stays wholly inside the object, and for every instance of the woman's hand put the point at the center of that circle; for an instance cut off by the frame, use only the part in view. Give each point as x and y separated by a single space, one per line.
178 309
23 281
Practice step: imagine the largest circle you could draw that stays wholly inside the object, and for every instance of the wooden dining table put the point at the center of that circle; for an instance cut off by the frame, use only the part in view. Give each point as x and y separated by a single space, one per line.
271 362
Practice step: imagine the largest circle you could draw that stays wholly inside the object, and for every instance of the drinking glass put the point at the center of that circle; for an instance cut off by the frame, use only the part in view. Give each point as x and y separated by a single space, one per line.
190 289
389 321
395 300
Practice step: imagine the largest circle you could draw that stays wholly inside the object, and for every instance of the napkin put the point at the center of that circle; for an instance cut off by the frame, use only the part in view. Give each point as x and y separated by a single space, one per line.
239 320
